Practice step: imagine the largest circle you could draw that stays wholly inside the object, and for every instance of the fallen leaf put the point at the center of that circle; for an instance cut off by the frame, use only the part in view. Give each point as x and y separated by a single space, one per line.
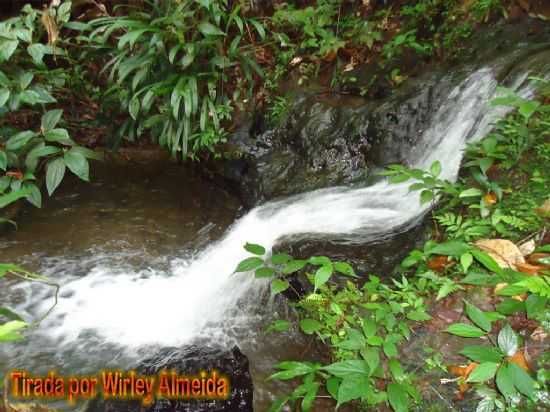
462 371
535 259
519 359
528 268
439 263
505 253
526 248
490 198
539 334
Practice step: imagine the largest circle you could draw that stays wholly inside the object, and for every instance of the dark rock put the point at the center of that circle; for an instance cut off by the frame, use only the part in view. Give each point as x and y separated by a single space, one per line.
338 139
190 361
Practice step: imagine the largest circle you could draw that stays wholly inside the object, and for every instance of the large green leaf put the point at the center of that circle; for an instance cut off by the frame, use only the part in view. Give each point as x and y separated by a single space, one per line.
58 136
50 119
348 368
397 397
322 275
522 381
480 353
255 249
278 286
483 372
19 140
55 171
12 197
208 29
309 326
504 381
9 331
249 264
465 330
478 317
352 387
508 341
78 164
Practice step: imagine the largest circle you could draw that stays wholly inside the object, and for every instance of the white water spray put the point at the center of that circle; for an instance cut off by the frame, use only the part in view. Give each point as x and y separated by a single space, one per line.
134 310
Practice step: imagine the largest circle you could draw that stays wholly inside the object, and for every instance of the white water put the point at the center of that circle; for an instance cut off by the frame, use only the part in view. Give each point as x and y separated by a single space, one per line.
201 295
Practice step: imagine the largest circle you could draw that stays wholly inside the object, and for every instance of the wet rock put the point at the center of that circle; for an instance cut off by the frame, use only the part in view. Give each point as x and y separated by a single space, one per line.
330 139
190 361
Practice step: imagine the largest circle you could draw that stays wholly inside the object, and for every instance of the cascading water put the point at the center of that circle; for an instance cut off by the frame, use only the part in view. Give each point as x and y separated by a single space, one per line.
202 296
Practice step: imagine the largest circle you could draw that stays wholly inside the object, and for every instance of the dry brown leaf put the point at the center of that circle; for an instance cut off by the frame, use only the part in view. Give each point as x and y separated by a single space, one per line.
526 248
535 258
490 198
49 23
519 359
505 253
528 268
439 263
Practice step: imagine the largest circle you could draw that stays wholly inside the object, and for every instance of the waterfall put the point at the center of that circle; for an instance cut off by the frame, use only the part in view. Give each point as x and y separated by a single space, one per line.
200 295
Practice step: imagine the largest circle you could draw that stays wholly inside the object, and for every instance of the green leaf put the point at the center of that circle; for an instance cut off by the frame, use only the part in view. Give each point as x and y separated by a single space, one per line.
259 28
397 397
9 331
322 275
522 381
435 168
7 48
58 136
465 330
398 178
12 197
352 387
397 370
472 192
508 341
293 266
255 249
264 272
510 306
480 353
535 305
418 315
466 260
309 397
278 286
19 140
348 368
483 372
34 197
426 196
208 29
390 350
450 248
3 160
344 268
4 96
133 107
77 164
478 317
280 258
55 170
333 385
249 264
486 260
504 381
50 119
309 326
486 405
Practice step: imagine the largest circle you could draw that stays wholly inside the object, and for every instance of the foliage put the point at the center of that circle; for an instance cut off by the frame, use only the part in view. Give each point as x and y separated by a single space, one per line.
27 81
362 325
178 68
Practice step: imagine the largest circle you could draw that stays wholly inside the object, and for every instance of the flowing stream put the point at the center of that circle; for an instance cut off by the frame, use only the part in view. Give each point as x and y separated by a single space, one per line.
111 310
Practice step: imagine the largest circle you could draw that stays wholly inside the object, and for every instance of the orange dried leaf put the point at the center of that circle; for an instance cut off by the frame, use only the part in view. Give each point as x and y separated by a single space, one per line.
519 359
462 371
438 263
528 268
490 198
